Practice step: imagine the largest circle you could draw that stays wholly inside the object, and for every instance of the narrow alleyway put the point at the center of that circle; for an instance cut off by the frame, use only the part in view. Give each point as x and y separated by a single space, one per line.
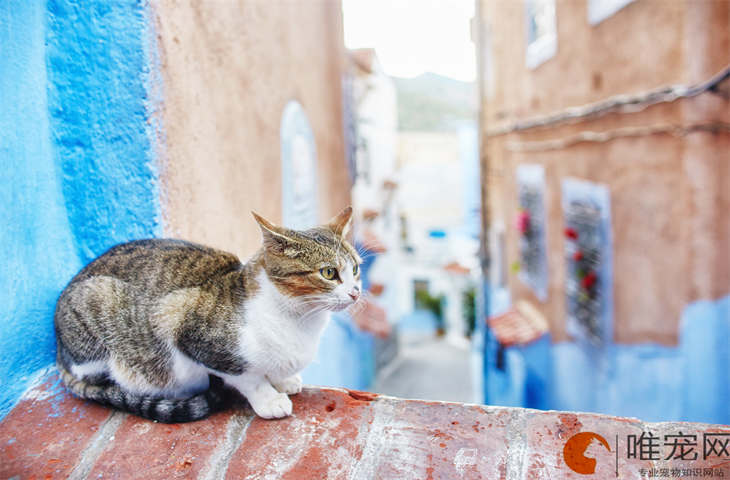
429 369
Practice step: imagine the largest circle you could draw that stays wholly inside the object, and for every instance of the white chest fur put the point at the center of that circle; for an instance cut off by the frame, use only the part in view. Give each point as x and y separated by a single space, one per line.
275 341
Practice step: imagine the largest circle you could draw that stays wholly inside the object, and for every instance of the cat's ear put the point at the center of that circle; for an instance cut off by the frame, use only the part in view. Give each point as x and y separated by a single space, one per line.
341 223
276 239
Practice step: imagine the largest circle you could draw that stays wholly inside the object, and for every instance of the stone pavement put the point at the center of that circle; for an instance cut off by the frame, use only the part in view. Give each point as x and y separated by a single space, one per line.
427 368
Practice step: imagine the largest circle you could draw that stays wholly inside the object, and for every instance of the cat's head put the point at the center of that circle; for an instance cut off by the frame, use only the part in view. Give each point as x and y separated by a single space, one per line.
316 267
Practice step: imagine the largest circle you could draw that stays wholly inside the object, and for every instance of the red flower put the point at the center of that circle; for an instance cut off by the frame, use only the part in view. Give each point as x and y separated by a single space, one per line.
589 280
571 233
578 256
523 222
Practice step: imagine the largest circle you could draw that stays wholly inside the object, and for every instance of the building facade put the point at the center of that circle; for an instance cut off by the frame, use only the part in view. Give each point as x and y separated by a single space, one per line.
605 135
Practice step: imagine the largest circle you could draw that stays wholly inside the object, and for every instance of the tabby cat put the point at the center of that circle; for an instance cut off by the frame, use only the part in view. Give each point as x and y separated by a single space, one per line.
151 326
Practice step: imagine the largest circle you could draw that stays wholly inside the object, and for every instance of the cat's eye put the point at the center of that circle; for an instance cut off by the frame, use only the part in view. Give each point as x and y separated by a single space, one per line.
328 272
355 269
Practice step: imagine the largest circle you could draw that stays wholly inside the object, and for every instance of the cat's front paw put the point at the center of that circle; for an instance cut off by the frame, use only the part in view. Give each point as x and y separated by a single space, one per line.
290 386
275 406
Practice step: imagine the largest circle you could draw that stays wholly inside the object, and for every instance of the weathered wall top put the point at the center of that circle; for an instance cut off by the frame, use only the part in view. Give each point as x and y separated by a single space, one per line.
347 434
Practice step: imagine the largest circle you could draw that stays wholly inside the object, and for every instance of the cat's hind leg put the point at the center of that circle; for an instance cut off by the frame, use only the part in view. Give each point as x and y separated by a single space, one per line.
94 372
133 379
79 320
264 399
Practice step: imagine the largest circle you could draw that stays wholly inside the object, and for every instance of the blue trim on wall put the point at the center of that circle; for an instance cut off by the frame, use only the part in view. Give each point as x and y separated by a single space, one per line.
705 346
690 382
77 159
642 381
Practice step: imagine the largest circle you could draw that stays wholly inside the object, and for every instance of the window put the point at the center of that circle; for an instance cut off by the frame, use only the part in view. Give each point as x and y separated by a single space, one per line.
542 39
599 10
530 224
588 257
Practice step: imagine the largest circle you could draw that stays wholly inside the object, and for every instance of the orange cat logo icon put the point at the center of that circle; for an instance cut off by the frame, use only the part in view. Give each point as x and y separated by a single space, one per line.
574 452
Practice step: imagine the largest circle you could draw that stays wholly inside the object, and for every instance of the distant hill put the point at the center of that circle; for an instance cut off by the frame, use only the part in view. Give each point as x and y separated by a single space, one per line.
431 102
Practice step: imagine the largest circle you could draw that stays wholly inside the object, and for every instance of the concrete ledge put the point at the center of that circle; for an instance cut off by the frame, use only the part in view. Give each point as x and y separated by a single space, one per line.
343 434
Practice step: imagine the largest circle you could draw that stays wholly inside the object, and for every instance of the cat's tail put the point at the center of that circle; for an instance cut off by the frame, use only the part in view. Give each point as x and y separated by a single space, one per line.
163 410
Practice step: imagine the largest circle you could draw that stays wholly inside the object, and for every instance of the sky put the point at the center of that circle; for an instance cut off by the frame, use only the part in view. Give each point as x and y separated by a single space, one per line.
414 36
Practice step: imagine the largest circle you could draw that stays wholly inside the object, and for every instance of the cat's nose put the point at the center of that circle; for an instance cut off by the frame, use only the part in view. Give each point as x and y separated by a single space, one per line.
355 293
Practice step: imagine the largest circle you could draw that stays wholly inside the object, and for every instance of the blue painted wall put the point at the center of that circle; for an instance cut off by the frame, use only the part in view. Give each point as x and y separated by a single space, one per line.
705 344
345 358
690 382
98 81
76 159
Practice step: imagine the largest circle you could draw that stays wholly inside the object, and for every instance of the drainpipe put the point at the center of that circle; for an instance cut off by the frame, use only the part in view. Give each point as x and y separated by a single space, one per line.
484 254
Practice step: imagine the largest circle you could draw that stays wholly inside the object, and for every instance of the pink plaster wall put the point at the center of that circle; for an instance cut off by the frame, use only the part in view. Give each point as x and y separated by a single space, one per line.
670 194
229 68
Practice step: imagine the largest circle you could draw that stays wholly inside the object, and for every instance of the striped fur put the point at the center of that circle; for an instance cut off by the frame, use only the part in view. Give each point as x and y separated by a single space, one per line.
152 407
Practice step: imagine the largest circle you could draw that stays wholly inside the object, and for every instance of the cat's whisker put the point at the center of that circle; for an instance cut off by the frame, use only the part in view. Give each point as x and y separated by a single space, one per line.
369 251
361 248
364 252
366 295
307 316
356 307
367 256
